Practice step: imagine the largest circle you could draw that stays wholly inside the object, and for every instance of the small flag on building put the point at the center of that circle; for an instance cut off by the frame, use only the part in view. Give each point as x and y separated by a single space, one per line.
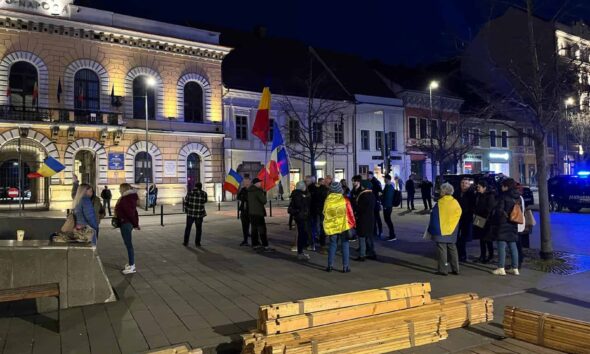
49 168
261 125
232 182
113 96
59 90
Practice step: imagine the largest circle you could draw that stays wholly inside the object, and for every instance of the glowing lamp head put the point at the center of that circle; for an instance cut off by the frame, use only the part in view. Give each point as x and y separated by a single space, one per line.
433 85
150 81
569 102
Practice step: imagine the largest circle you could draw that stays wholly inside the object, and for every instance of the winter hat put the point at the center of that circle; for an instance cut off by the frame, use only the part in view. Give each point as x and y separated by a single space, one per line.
336 187
300 185
366 184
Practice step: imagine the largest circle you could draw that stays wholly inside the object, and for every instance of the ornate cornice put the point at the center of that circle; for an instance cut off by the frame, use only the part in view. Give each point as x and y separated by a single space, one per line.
422 100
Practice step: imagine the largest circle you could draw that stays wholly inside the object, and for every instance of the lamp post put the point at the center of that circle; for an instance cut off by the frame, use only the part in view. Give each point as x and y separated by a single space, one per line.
433 86
150 82
568 102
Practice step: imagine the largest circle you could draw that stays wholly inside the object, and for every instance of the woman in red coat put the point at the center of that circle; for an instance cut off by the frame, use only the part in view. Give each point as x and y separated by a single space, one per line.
126 213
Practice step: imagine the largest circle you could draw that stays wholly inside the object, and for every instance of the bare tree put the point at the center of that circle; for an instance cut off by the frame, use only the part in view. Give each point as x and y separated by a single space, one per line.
579 127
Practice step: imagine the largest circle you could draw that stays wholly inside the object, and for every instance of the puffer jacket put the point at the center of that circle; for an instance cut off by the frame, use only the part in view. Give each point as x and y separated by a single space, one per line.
503 228
85 214
444 220
126 208
338 214
256 201
484 207
300 204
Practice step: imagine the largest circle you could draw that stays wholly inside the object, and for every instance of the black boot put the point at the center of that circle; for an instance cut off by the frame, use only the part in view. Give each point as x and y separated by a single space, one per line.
329 269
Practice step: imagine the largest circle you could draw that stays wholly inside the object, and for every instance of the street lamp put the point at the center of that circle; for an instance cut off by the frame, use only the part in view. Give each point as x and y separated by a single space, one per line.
150 82
568 102
432 86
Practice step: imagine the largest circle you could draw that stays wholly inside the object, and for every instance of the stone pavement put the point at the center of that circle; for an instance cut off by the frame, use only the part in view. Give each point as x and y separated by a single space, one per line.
207 297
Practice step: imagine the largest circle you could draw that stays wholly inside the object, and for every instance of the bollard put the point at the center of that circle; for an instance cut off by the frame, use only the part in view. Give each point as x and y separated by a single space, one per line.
218 206
162 214
154 207
67 211
270 201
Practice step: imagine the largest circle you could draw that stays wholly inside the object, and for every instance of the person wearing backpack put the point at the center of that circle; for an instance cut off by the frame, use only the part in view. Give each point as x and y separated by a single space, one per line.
505 226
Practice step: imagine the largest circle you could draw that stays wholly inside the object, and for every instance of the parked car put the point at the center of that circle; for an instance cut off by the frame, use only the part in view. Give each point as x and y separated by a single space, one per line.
492 179
571 192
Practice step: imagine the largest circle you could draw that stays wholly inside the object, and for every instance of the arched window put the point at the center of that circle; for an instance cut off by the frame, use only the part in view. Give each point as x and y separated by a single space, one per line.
193 169
23 85
141 89
143 168
193 102
86 91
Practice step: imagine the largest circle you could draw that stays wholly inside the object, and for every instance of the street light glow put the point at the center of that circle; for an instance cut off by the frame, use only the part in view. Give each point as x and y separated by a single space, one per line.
570 101
433 85
150 81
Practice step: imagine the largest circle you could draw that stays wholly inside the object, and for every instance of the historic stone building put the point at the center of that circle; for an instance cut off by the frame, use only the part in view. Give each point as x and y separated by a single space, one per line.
76 84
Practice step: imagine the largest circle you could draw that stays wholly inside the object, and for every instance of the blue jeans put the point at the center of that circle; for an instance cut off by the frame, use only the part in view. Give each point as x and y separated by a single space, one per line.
502 254
334 245
126 230
367 246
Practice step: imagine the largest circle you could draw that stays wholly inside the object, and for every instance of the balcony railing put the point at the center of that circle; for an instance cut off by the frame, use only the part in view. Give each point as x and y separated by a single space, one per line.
60 115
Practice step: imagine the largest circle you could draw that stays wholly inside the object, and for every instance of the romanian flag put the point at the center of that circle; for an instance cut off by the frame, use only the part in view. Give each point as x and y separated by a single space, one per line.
232 182
49 168
261 125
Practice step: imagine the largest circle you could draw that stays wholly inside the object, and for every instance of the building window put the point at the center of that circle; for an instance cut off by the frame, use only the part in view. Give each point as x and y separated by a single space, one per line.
434 128
241 127
393 141
413 133
529 132
193 170
317 133
379 141
492 138
338 133
294 131
363 169
22 83
504 139
476 137
86 91
141 89
423 128
550 140
520 141
143 167
465 137
193 102
339 174
365 140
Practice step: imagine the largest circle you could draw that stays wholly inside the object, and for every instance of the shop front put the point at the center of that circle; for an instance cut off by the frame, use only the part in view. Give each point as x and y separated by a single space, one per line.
472 163
499 162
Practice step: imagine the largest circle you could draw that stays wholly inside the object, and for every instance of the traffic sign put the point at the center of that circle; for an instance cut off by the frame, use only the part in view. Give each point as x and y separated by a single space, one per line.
13 192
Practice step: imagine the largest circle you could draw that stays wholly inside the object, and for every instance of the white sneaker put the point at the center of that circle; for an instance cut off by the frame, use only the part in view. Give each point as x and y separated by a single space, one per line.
499 271
294 249
303 257
129 269
513 271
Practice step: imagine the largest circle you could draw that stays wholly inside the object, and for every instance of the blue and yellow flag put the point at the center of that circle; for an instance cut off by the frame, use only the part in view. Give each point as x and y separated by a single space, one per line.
49 168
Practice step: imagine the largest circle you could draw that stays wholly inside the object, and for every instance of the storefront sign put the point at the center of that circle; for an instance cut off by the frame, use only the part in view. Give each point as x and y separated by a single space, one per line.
499 156
169 168
116 162
59 8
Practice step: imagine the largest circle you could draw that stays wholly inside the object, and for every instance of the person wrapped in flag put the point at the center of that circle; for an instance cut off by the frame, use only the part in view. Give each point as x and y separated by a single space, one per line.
443 228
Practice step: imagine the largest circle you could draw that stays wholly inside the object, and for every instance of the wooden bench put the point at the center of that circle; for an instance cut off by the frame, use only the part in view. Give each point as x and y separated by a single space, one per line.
33 292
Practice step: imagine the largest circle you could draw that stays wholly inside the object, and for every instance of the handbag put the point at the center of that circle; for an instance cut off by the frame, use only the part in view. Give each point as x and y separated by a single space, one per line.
350 234
115 222
479 221
70 223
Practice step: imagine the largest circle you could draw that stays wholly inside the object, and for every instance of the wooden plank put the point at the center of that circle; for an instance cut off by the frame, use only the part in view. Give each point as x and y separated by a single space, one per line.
29 292
523 347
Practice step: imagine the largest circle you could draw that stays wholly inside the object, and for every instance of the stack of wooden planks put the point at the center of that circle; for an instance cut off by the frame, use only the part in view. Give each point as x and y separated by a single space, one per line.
179 349
371 321
555 332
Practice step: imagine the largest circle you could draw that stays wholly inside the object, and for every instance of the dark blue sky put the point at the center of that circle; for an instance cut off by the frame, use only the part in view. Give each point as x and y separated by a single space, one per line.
394 31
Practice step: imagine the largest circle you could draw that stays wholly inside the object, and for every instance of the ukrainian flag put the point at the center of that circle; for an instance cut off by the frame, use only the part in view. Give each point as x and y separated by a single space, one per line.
232 182
49 168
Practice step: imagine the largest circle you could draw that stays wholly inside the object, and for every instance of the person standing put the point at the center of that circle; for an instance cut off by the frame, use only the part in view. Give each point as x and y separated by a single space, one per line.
443 229
195 213
257 212
83 209
505 231
299 210
243 208
99 211
387 201
153 195
485 202
466 198
324 190
377 190
106 196
364 205
411 191
426 190
75 185
126 214
314 211
398 186
338 220
281 191
345 189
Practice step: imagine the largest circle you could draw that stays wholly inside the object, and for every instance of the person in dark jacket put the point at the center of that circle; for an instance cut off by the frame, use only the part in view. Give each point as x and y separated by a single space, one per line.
299 210
195 202
126 213
426 190
345 189
466 198
153 195
365 219
411 191
387 201
324 190
257 212
485 202
505 231
83 209
377 191
314 211
106 196
281 191
243 208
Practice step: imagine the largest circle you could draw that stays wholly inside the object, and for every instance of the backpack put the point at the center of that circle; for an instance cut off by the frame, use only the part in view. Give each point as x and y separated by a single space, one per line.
516 215
397 198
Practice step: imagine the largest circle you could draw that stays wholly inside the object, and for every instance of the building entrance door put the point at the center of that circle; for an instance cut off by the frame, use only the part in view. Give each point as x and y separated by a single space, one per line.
85 167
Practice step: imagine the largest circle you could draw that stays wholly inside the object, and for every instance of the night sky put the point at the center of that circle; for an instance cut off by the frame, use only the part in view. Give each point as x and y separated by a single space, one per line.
407 32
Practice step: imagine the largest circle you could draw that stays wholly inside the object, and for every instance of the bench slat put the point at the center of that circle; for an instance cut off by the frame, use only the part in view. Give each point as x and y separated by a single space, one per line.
29 292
